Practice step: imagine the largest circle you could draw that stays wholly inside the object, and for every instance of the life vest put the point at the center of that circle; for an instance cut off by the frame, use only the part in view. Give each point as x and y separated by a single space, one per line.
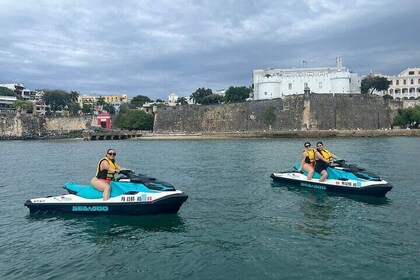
310 158
104 174
326 154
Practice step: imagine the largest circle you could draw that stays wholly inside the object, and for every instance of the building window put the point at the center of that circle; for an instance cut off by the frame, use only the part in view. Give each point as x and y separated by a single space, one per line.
418 82
305 85
404 82
411 73
398 82
412 81
290 85
320 85
265 93
391 82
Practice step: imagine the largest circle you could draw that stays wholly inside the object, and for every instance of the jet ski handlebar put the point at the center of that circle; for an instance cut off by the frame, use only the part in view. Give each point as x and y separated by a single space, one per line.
127 172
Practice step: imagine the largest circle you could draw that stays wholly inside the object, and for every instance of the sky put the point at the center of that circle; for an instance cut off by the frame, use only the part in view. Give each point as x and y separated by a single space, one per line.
159 47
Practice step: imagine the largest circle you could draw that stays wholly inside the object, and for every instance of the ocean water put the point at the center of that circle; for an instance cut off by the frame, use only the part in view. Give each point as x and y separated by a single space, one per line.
236 224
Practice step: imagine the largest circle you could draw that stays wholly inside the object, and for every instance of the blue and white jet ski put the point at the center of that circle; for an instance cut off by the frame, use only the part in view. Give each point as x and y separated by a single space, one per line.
130 195
342 178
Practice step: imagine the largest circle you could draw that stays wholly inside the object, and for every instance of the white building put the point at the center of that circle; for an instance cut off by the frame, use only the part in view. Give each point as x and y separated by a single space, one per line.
275 83
21 90
172 99
406 85
7 101
221 92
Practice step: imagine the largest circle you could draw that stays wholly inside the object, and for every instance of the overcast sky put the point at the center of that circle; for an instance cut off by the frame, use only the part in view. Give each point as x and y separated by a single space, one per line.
159 47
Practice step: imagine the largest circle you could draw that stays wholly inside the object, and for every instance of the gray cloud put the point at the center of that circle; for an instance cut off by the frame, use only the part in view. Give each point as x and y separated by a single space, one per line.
159 47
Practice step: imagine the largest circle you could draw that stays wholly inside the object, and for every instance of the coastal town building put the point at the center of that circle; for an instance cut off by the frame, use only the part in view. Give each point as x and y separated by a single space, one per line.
172 99
406 85
40 108
23 92
114 100
272 83
6 102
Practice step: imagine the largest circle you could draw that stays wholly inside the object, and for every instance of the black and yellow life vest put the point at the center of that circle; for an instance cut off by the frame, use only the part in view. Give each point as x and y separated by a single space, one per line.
311 156
105 174
326 154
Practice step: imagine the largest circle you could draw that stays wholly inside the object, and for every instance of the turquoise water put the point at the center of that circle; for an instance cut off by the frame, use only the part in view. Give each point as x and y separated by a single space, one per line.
236 224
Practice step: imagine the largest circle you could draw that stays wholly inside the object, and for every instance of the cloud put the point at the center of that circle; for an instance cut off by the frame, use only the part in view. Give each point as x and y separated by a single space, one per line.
159 47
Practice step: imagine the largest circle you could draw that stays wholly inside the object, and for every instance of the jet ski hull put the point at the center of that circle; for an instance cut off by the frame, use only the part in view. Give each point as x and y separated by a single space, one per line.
130 195
371 188
122 205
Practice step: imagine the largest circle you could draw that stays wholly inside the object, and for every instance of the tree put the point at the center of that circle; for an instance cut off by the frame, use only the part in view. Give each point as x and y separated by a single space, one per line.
74 109
55 98
388 97
182 101
100 101
123 108
373 83
87 109
212 99
199 95
73 96
26 105
109 108
237 94
4 91
139 100
134 120
59 99
408 116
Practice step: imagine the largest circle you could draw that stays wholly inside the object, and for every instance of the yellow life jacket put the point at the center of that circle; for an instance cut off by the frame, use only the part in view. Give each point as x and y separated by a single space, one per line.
326 154
105 174
311 155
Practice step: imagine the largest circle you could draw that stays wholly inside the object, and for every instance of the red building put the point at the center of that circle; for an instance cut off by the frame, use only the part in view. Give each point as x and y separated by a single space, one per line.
104 120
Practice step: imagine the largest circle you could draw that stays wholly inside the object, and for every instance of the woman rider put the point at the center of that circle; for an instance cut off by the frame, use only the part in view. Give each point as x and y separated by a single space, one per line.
308 160
105 173
323 161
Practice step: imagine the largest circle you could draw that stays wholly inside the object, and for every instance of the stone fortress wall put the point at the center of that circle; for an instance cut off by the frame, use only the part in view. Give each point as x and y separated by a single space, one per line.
26 126
292 113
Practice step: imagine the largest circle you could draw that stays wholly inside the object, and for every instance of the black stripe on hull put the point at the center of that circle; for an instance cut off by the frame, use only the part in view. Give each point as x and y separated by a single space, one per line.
166 205
378 190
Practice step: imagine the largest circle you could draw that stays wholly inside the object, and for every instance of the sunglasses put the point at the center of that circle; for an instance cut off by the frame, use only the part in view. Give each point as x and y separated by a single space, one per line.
112 154
307 146
319 145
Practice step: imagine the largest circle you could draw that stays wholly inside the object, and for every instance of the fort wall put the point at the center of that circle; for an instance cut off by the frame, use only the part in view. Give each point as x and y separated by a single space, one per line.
297 112
26 126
